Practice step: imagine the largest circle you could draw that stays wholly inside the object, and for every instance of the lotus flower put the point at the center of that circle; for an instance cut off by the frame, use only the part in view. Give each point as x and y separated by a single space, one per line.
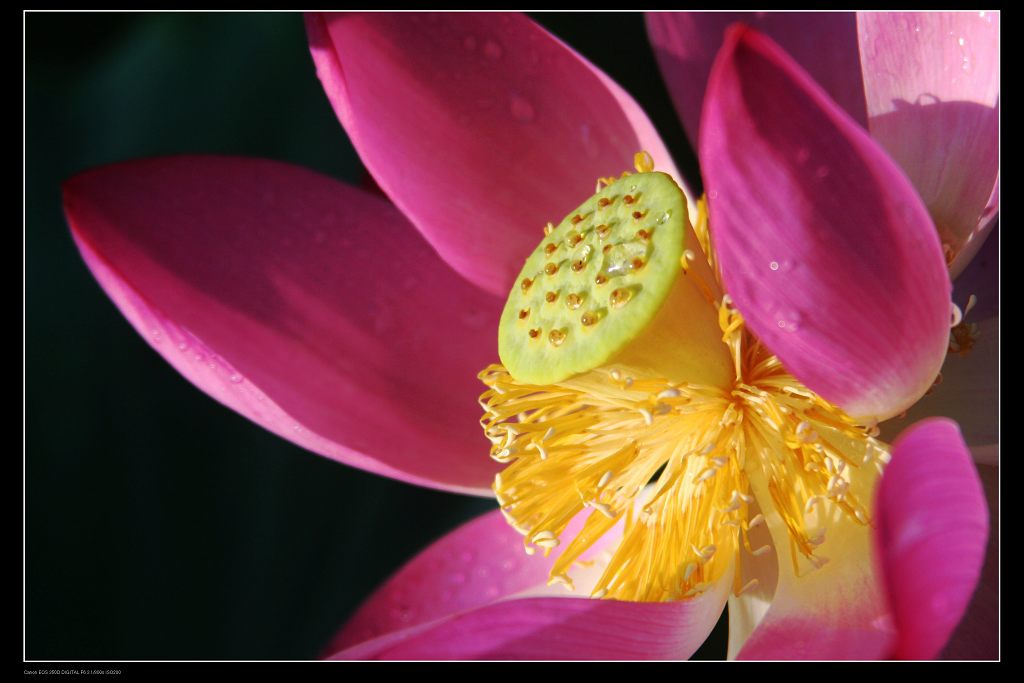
356 328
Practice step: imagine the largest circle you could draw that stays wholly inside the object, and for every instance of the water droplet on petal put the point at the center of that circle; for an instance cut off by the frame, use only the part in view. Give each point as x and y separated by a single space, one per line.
774 265
521 108
492 50
235 378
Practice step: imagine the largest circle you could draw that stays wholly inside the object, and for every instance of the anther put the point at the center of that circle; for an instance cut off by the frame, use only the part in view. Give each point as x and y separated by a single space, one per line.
605 478
747 586
620 297
648 417
756 521
550 297
556 337
643 162
761 551
602 508
573 301
549 228
688 572
669 393
600 594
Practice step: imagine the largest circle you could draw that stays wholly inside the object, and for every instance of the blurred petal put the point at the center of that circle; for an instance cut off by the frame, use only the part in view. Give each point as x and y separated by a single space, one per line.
824 43
480 127
977 635
836 611
474 595
969 392
824 245
932 531
932 86
308 306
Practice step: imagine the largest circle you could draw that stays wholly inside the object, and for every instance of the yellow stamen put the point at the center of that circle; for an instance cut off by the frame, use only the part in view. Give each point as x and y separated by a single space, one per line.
671 461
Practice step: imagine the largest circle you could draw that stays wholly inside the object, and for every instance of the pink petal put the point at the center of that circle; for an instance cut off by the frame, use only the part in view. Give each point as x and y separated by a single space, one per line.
969 391
932 86
932 530
977 635
474 595
835 611
480 127
308 306
824 245
824 43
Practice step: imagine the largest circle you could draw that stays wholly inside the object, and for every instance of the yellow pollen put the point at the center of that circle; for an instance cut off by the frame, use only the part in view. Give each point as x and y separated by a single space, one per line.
672 463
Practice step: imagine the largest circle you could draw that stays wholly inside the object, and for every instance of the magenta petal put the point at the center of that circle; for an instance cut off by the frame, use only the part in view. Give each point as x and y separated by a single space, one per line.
308 306
474 595
932 86
824 43
480 127
824 246
932 530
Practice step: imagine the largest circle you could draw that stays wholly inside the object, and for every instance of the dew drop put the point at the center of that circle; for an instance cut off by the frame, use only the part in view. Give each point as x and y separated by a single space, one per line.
493 51
713 194
235 378
183 346
620 258
774 265
521 108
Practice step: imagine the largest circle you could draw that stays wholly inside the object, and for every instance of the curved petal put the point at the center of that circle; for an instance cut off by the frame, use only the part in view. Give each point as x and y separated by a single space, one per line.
823 244
977 635
824 43
476 595
932 86
969 391
308 306
480 127
932 531
801 611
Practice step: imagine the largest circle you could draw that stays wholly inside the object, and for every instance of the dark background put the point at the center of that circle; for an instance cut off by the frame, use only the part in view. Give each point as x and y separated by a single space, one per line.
159 524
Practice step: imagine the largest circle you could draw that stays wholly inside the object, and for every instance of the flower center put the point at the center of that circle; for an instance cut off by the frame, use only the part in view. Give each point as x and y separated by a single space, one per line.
675 422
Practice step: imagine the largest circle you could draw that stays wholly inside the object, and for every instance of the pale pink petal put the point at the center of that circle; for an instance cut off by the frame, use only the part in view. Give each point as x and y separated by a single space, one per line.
480 127
306 305
474 595
977 634
932 531
824 246
836 609
932 86
824 43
